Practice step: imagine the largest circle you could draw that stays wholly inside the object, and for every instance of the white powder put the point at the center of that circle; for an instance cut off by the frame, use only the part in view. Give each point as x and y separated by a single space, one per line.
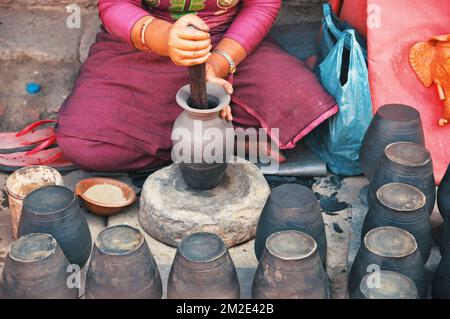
106 194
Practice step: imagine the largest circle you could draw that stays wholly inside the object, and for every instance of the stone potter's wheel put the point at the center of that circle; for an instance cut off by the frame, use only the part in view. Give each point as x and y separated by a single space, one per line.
169 210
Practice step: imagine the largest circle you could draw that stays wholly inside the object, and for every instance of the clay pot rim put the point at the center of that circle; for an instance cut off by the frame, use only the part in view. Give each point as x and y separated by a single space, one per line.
420 205
220 255
303 257
66 207
415 248
59 179
108 181
141 241
404 278
49 255
428 160
186 89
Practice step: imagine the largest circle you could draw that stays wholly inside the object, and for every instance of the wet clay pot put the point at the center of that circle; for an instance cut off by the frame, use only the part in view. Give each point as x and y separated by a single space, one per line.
392 123
389 285
290 268
388 248
291 207
36 268
202 141
54 210
441 280
203 269
122 266
407 163
443 195
403 206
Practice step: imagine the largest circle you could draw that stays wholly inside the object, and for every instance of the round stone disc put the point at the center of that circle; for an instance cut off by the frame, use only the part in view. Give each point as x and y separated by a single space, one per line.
170 211
119 240
391 285
291 245
401 197
292 196
33 247
390 242
408 154
202 247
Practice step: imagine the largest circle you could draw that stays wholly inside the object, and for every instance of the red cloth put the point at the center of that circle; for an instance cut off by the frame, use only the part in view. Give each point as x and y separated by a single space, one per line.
126 98
392 80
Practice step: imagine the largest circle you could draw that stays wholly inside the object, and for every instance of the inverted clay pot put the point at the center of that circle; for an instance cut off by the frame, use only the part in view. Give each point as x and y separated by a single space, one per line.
203 269
407 163
441 280
122 266
36 268
291 207
54 210
388 248
290 268
443 195
202 141
392 123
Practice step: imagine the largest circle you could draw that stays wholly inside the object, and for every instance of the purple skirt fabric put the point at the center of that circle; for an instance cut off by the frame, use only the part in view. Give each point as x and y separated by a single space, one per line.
126 98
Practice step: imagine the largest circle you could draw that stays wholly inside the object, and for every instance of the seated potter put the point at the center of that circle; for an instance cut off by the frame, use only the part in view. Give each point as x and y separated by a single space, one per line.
122 108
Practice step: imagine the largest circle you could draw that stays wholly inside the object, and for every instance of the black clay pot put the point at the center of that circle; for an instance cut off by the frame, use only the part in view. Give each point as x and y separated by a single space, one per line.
403 206
290 268
203 269
54 210
386 285
203 176
407 163
291 207
392 123
388 248
441 280
122 266
36 268
443 195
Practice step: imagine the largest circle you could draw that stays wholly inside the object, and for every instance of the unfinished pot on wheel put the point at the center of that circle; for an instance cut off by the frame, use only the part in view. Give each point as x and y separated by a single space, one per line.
122 266
388 248
54 210
203 269
36 268
407 163
403 206
290 268
202 141
291 207
392 123
388 285
443 195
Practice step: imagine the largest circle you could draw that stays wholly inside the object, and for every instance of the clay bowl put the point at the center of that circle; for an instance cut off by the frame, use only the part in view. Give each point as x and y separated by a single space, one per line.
103 209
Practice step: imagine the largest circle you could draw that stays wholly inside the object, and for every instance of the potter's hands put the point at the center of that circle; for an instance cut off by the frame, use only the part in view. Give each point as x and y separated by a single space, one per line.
211 76
189 46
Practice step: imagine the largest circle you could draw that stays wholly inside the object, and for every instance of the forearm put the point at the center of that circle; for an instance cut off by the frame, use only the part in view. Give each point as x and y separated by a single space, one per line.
219 63
156 35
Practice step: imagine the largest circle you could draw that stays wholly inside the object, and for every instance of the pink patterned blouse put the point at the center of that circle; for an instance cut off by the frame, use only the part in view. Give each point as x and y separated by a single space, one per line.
245 21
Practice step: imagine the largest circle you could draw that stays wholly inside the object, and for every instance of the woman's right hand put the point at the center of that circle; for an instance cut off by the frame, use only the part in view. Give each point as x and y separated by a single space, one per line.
189 42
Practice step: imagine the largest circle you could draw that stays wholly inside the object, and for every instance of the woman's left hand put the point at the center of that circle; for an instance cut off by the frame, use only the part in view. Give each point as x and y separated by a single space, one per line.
211 76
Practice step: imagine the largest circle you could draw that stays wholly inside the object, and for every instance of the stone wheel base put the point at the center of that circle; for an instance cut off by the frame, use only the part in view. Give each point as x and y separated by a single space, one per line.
169 210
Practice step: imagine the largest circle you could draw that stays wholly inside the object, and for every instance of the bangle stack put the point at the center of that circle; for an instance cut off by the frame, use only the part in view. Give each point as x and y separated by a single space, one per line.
143 30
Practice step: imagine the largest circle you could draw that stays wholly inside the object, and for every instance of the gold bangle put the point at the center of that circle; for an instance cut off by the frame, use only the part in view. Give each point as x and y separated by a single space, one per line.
143 30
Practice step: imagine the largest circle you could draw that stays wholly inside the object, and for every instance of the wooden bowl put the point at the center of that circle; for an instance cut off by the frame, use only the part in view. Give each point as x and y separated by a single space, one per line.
103 209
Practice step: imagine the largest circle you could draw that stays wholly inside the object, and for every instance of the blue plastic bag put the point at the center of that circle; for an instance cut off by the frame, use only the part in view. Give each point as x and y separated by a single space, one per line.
344 75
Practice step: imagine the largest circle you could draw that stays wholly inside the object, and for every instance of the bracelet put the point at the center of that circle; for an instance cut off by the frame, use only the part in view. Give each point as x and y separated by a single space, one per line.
229 59
143 29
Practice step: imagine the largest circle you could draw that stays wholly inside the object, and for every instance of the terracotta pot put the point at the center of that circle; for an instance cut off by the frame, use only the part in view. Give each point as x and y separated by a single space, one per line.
203 269
203 142
291 207
54 210
391 285
36 268
392 123
443 195
407 163
388 248
22 182
290 268
403 206
122 266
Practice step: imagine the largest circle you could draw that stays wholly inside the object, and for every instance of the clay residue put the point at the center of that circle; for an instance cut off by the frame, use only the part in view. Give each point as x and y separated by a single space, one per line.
106 194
